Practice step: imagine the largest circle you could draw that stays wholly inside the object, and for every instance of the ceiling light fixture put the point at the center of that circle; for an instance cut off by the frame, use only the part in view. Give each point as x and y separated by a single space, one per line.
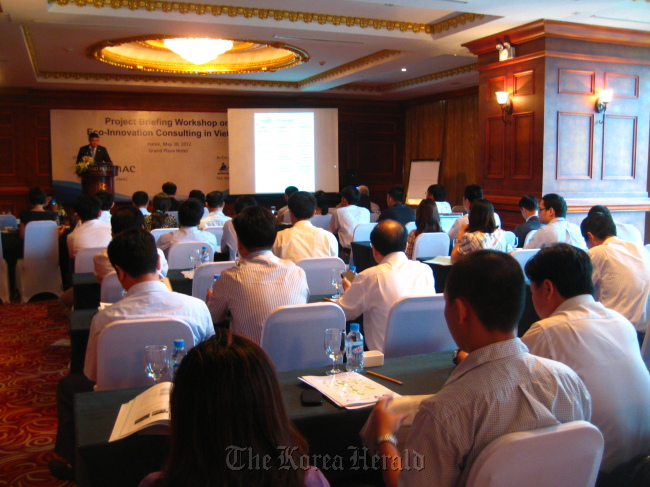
503 99
198 50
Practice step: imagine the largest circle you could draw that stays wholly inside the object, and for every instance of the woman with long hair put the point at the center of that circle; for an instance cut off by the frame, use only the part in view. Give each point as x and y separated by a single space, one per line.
159 217
427 220
322 206
480 233
226 407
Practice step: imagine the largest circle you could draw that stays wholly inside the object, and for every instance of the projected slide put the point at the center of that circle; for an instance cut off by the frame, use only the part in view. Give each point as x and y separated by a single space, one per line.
284 151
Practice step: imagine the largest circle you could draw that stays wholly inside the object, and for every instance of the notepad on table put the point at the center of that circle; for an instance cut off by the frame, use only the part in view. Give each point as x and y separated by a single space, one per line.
349 389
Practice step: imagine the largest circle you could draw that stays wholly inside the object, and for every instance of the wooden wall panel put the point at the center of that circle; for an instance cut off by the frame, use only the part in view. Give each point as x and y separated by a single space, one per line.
7 156
495 148
523 83
576 82
623 85
619 147
523 142
575 142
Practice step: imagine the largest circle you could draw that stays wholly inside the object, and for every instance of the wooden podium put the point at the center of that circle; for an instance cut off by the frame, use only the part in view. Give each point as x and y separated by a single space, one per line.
96 178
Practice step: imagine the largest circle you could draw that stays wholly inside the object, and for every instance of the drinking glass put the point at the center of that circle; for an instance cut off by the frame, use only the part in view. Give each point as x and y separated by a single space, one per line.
337 282
156 361
334 347
195 258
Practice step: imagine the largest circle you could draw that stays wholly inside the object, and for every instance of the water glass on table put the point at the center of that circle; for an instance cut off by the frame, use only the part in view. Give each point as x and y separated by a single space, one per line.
334 347
156 361
195 258
337 282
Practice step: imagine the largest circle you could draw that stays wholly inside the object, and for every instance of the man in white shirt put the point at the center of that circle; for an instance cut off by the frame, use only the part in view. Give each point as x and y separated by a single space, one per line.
216 218
598 343
624 231
374 291
438 193
472 192
140 200
347 216
282 212
552 213
229 237
304 240
89 232
189 215
621 270
108 201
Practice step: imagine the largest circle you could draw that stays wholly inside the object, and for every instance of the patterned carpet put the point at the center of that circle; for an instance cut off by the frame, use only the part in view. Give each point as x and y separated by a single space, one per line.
29 371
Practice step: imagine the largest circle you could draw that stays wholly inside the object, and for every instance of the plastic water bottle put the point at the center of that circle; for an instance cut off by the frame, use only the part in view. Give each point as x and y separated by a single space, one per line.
215 280
354 349
177 355
273 212
205 255
350 274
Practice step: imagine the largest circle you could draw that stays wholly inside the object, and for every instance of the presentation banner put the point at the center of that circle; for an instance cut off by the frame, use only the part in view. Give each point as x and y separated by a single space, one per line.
147 150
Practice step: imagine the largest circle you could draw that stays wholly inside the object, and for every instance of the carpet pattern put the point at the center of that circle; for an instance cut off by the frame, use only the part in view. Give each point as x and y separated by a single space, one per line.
29 371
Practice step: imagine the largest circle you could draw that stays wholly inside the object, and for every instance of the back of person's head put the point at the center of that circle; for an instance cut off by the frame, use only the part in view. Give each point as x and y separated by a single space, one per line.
363 189
140 198
244 202
529 202
599 209
599 225
88 207
351 195
134 251
388 236
161 202
472 192
321 201
492 282
556 202
364 202
126 217
107 199
190 212
302 204
37 196
397 193
481 216
169 188
427 218
567 267
438 192
214 199
226 407
197 194
255 228
289 190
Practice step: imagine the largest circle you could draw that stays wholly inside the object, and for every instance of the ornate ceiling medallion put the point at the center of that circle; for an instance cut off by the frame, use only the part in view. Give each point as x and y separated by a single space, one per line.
149 53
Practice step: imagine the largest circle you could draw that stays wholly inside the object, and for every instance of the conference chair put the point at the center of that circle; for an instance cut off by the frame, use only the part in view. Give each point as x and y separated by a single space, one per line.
431 245
374 217
529 236
120 349
83 261
217 232
160 231
524 255
319 273
179 253
362 232
459 209
38 271
321 221
562 455
645 348
4 279
204 276
293 336
511 239
111 289
8 221
410 226
417 325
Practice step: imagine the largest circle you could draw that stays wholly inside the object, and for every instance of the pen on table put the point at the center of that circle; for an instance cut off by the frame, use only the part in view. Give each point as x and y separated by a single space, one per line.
384 377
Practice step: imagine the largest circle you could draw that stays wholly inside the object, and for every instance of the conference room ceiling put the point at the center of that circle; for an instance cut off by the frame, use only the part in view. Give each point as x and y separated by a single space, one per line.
364 49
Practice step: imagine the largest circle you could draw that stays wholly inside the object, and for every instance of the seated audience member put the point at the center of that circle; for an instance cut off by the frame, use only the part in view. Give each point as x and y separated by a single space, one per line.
552 212
499 388
37 212
372 207
260 282
229 237
472 192
90 231
160 218
288 191
596 342
621 270
170 189
624 231
347 216
397 210
374 291
480 233
140 200
215 217
322 205
199 195
108 201
529 208
123 219
303 240
224 381
438 193
189 215
427 220
133 255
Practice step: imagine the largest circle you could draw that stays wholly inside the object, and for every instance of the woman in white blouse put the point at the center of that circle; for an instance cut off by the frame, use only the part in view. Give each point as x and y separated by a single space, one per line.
480 233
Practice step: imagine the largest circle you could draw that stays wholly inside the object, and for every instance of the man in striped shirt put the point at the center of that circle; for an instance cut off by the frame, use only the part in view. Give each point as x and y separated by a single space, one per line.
260 282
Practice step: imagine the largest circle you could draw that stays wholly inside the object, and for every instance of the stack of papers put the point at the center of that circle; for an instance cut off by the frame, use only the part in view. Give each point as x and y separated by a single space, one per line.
440 260
350 390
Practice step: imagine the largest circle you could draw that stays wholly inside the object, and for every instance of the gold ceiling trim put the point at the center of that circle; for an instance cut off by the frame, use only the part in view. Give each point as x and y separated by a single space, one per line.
278 15
344 68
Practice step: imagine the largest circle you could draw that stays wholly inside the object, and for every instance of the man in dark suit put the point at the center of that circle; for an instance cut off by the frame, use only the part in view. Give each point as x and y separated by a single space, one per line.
94 150
529 207
397 210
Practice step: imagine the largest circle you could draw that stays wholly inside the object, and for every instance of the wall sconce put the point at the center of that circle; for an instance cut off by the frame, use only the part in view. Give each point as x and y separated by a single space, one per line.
503 99
604 98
